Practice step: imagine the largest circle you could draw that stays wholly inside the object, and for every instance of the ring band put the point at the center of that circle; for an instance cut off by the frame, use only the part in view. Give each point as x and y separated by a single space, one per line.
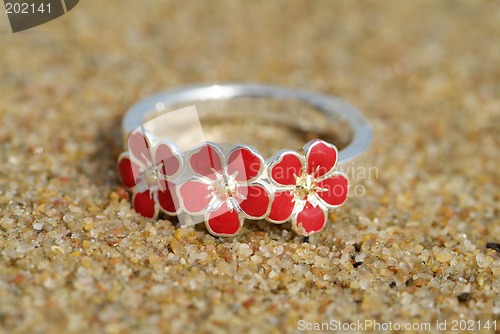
327 104
224 186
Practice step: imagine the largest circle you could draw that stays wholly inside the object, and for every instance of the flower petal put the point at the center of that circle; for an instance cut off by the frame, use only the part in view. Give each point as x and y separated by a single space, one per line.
256 204
168 200
321 157
145 205
336 190
310 220
171 162
282 207
139 148
287 166
128 170
245 163
223 222
206 158
195 196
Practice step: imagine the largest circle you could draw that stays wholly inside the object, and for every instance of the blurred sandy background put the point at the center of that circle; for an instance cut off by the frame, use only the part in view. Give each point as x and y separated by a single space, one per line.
75 258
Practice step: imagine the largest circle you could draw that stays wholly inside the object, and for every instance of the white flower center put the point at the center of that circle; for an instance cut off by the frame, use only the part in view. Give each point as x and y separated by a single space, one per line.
225 188
153 176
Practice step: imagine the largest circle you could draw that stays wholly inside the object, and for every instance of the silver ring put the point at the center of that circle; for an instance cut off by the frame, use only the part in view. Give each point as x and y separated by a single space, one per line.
225 185
327 104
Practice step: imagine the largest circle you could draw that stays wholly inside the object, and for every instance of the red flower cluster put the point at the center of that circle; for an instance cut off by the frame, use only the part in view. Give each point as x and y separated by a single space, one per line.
227 188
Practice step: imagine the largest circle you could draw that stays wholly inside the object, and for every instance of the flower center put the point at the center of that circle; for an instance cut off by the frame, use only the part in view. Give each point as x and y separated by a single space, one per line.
152 175
224 188
305 185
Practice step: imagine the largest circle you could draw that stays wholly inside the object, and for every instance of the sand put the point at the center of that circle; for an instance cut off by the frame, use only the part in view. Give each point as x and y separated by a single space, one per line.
408 247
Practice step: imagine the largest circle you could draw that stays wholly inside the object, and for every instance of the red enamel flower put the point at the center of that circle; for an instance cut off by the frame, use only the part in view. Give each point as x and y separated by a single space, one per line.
307 186
225 189
146 170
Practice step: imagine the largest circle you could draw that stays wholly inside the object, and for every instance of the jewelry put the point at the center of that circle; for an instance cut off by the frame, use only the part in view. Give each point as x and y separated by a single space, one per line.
223 185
